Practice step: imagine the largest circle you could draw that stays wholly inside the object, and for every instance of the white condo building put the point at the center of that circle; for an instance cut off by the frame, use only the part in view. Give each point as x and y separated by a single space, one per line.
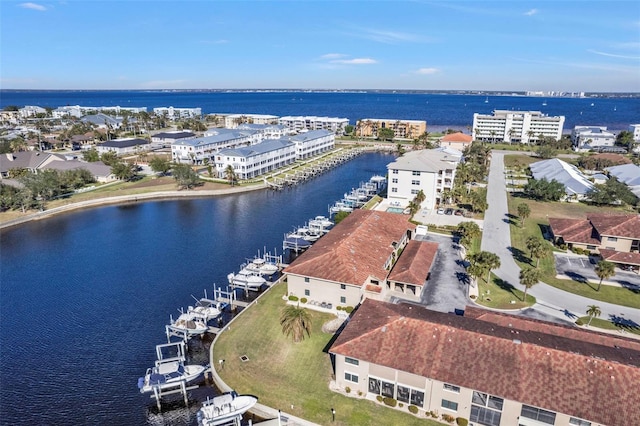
587 137
177 113
31 111
268 131
251 161
313 143
429 170
516 126
301 123
232 121
195 151
635 129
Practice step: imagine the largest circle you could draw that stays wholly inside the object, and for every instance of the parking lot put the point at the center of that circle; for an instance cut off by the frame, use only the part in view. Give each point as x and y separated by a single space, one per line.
582 269
427 216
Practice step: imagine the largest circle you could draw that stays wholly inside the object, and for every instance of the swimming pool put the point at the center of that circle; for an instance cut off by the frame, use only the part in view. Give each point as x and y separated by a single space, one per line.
395 209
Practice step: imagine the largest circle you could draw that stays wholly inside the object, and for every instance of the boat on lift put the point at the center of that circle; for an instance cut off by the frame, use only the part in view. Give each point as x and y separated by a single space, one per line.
225 408
188 324
168 373
246 279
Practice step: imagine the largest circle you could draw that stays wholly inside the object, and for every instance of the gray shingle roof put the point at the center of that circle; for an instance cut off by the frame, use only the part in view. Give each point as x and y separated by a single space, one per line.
567 174
257 149
124 143
425 160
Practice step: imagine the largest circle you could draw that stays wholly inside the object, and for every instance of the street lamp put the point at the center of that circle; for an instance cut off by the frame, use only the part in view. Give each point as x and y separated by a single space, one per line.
333 415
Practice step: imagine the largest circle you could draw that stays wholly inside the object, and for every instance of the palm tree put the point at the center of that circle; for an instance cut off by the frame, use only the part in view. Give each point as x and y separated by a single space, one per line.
492 261
420 197
593 311
295 321
528 278
523 212
230 174
604 270
413 207
532 244
540 251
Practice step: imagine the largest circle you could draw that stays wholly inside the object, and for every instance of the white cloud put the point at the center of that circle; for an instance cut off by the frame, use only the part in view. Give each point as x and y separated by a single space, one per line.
427 71
612 55
333 56
354 61
33 6
531 12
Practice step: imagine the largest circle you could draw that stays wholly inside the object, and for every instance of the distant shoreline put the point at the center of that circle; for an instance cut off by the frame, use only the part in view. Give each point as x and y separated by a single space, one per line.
128 199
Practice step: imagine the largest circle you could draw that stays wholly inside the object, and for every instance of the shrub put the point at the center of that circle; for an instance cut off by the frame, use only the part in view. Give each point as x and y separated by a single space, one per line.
579 322
389 401
293 298
433 414
413 409
303 300
461 421
379 398
400 404
338 308
347 389
448 418
349 309
359 393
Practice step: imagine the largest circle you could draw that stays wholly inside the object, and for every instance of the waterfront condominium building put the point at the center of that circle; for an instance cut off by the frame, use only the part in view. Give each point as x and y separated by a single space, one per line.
196 150
516 126
268 131
429 170
301 123
177 113
309 144
252 161
402 129
588 137
490 368
231 121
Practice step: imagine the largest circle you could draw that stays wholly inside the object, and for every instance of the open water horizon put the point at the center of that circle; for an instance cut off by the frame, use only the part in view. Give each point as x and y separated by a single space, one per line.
439 110
85 295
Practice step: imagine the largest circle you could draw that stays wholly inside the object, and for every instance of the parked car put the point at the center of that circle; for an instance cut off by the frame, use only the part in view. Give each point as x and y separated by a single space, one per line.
459 212
440 210
448 211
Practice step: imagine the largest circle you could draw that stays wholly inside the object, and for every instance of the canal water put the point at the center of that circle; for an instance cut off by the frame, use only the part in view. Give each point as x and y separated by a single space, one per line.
84 297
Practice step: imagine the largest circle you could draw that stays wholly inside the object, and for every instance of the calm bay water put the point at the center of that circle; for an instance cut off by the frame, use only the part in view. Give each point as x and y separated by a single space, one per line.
437 109
85 296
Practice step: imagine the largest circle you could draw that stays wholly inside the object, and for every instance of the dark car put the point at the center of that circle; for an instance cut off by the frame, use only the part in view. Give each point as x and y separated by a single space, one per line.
448 211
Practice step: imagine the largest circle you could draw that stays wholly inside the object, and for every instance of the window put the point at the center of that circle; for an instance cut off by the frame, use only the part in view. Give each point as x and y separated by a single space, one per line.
343 299
417 398
415 182
538 414
307 292
351 361
388 389
374 386
486 409
343 286
449 405
415 173
394 189
612 239
351 377
578 422
591 247
395 172
394 180
306 279
403 394
451 388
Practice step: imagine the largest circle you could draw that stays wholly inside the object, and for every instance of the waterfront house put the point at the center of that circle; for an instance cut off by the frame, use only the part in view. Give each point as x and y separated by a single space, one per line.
102 121
429 170
100 171
490 368
616 237
370 254
255 160
516 126
586 138
458 141
124 146
29 111
402 129
26 160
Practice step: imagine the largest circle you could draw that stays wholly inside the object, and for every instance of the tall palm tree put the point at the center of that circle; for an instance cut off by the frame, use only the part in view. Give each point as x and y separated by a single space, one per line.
528 278
295 322
604 270
540 251
230 174
593 311
492 261
532 244
523 212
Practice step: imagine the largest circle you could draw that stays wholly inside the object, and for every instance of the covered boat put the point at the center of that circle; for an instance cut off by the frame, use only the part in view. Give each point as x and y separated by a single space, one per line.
168 373
224 408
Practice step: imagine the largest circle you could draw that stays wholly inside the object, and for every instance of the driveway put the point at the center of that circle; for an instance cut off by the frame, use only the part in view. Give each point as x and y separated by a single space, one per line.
580 268
496 238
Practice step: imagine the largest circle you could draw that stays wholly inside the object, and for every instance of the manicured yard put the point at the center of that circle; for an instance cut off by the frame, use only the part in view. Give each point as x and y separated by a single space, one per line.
284 374
499 295
519 160
608 325
539 221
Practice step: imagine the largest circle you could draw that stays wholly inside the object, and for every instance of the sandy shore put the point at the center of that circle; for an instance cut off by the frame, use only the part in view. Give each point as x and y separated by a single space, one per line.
123 199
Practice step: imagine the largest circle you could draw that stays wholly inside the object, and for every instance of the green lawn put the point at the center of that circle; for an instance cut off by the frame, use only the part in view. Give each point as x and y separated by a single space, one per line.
538 220
499 295
608 325
282 373
519 160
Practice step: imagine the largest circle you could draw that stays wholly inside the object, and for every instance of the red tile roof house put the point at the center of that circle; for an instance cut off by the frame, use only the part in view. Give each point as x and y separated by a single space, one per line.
615 237
488 367
458 141
368 254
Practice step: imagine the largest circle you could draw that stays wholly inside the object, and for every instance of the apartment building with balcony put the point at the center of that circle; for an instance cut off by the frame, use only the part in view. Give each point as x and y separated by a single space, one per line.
402 129
299 124
516 126
429 170
315 142
252 161
196 150
232 121
178 113
588 137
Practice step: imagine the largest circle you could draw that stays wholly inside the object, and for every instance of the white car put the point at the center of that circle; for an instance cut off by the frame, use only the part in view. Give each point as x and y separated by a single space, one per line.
440 210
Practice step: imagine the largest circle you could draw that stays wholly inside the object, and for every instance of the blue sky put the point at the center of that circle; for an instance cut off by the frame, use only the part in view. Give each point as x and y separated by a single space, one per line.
505 45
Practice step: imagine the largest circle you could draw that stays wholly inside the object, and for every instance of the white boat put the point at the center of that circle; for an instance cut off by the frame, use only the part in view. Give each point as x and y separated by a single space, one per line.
189 324
322 221
224 408
246 279
486 101
206 310
306 234
168 373
262 267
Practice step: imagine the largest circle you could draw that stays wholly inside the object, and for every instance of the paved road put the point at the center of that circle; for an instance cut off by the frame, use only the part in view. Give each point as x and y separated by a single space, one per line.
496 238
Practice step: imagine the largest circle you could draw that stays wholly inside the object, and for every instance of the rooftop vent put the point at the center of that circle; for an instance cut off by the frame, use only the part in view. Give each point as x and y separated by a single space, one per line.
517 341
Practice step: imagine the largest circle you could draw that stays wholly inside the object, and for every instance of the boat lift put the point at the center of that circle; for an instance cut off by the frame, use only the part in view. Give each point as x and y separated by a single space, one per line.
163 353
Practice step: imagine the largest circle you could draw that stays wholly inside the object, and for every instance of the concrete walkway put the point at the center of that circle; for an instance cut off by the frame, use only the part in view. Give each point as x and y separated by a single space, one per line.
496 238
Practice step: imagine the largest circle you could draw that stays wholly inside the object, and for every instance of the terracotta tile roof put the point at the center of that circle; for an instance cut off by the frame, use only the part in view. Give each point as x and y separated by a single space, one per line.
574 230
620 257
619 225
457 137
580 373
414 263
355 249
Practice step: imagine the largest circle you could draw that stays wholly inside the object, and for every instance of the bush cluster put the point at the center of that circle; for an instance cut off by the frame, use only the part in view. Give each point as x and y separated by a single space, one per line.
413 409
389 401
461 421
293 298
448 418
303 300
